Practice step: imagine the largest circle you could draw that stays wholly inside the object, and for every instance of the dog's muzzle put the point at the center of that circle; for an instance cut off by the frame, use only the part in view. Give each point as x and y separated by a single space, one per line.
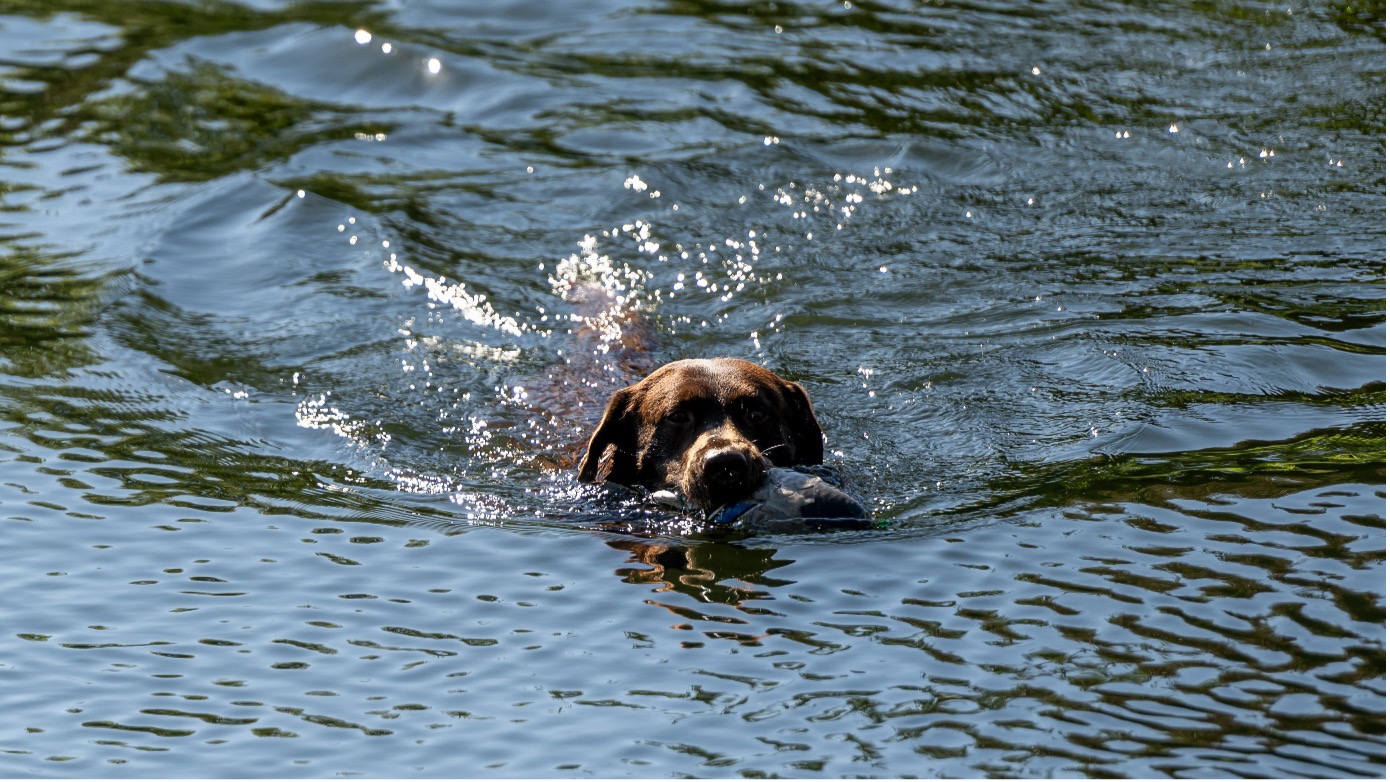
722 474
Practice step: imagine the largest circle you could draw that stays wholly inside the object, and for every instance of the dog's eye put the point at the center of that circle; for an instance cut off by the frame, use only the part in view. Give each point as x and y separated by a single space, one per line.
756 416
679 418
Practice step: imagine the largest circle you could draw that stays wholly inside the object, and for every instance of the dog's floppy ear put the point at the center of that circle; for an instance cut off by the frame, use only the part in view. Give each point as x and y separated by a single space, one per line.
808 443
612 452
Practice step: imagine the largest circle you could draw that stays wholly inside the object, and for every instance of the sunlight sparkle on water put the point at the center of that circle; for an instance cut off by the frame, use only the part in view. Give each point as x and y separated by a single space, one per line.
316 413
474 307
362 37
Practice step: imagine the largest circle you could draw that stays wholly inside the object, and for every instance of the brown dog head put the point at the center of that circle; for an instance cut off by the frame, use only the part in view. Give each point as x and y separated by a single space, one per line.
708 428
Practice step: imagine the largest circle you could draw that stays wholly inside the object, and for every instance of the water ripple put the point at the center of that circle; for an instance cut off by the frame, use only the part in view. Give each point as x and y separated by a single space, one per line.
306 311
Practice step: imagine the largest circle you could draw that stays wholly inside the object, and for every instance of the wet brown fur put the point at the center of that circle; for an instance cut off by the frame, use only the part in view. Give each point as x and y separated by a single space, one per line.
708 428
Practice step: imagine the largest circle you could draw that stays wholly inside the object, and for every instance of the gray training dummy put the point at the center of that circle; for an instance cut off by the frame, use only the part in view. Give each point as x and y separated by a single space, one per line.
790 499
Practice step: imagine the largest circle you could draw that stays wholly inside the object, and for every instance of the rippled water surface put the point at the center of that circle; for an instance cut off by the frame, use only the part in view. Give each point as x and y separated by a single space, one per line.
306 309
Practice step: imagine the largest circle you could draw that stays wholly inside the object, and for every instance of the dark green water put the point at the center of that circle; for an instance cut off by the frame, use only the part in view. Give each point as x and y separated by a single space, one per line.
1090 299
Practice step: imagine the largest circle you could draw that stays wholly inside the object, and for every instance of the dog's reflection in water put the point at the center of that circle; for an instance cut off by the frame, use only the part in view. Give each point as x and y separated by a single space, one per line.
714 573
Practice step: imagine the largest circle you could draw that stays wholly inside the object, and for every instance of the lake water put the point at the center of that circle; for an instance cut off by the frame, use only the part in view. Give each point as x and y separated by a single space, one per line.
1090 299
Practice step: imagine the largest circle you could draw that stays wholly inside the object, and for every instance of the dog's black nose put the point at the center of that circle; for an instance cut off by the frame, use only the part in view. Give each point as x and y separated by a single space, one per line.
726 467
721 475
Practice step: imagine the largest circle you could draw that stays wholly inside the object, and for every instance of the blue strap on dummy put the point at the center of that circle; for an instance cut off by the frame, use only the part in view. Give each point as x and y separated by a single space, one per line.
731 512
